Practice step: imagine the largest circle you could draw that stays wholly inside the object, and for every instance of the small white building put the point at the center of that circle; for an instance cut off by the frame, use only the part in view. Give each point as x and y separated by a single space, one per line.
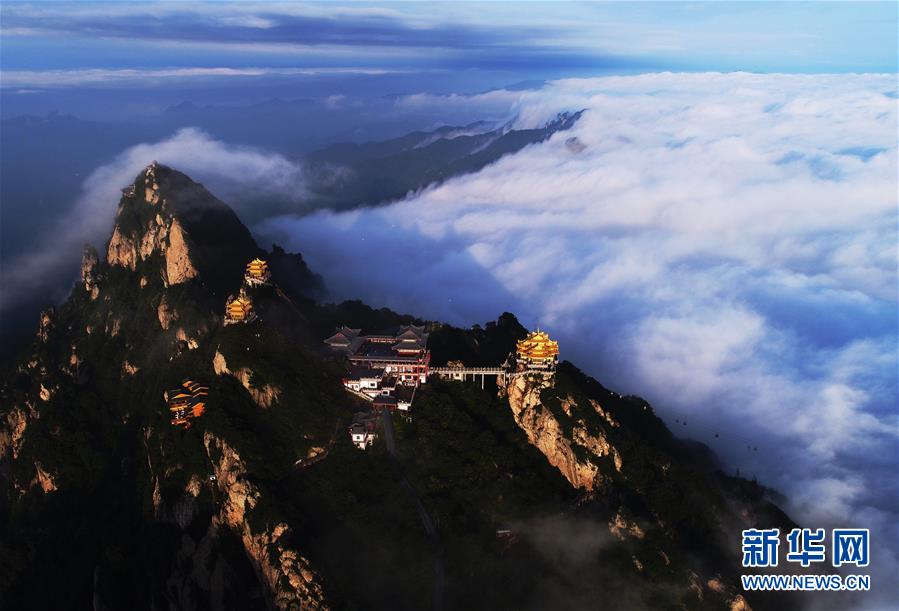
363 431
364 379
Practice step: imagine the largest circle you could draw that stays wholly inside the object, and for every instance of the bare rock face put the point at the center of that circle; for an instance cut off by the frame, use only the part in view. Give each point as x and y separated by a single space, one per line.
113 326
264 396
290 578
162 234
622 528
122 250
43 479
46 323
166 237
12 432
735 601
545 432
178 265
151 190
129 369
45 393
165 313
89 261
188 342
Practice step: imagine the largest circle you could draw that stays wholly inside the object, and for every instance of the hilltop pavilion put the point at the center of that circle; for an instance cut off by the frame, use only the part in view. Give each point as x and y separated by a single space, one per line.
257 273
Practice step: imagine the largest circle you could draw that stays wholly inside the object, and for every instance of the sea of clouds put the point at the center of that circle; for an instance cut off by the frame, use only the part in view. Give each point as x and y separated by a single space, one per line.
723 244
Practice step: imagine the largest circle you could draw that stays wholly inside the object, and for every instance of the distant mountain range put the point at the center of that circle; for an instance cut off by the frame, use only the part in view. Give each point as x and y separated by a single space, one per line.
350 175
537 497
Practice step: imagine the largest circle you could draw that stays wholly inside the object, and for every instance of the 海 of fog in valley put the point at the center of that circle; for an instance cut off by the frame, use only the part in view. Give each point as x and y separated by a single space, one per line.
698 201
724 245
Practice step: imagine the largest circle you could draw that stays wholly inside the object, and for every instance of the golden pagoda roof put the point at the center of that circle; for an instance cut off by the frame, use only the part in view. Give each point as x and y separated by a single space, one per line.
537 345
257 268
240 303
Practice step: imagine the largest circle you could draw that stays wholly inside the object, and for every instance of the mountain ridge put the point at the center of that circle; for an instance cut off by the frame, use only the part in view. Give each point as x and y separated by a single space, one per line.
263 502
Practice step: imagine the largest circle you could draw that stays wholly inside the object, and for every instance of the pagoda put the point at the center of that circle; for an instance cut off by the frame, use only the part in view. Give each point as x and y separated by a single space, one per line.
239 310
537 352
186 402
257 273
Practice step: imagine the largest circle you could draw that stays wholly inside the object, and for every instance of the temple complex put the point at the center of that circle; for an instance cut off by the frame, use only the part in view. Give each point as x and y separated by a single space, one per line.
537 352
257 273
402 354
345 340
186 402
239 310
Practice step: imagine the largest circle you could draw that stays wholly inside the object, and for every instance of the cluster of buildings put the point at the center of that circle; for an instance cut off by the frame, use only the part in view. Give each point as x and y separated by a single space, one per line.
383 368
383 364
387 368
186 402
402 355
385 390
239 309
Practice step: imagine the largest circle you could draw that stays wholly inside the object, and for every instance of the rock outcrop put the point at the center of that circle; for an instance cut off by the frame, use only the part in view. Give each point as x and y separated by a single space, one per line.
734 601
43 479
178 265
46 323
545 432
160 233
292 581
264 396
12 432
89 261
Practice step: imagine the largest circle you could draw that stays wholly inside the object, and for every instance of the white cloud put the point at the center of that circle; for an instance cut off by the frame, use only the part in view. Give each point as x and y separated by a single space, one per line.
14 79
725 245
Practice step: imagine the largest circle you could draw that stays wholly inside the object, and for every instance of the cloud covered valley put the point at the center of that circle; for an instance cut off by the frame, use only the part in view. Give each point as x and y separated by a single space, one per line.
723 244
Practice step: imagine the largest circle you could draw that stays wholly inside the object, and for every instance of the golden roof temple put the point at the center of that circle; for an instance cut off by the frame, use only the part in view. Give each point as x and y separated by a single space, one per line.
257 272
239 309
537 346
186 402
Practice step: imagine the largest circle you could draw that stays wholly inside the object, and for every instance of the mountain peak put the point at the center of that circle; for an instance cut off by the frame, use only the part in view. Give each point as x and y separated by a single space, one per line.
169 225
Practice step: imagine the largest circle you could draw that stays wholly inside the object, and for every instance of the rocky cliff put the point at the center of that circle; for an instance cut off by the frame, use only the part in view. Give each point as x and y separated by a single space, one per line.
160 234
576 452
288 575
621 456
264 395
85 442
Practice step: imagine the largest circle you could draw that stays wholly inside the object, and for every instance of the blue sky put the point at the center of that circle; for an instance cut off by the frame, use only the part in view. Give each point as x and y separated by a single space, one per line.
544 39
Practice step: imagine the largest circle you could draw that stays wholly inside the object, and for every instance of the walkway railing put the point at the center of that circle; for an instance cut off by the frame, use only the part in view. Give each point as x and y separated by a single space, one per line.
490 371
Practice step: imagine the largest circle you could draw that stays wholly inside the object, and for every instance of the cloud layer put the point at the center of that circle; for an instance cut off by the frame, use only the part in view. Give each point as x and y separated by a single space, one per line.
724 244
503 36
128 77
